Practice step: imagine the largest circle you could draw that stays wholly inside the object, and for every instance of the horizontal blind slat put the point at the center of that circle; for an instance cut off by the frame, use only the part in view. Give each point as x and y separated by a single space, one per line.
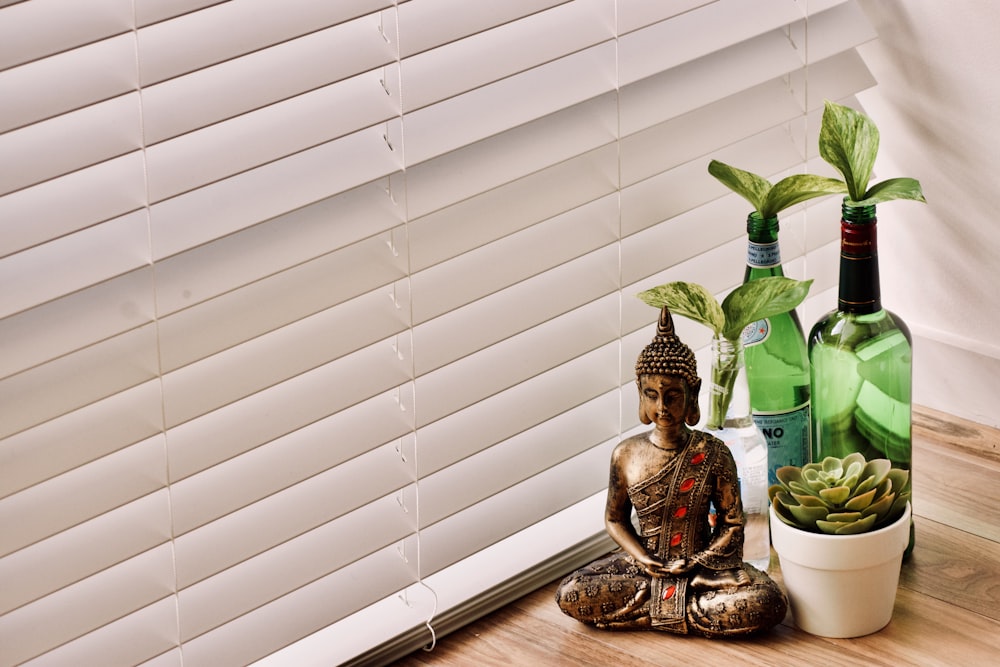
228 89
512 206
290 405
432 23
256 633
518 358
86 137
503 158
225 557
505 464
265 249
34 336
530 501
76 438
75 497
233 324
476 115
292 459
62 385
487 269
98 545
151 11
87 605
66 81
32 30
97 254
226 377
482 425
490 319
132 640
511 52
274 189
685 37
231 29
71 203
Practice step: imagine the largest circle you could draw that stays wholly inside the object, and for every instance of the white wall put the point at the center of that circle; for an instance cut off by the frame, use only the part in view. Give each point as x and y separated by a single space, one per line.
936 104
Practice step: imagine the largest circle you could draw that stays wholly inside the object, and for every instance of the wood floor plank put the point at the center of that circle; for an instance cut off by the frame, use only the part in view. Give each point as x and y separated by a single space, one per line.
957 434
955 567
957 489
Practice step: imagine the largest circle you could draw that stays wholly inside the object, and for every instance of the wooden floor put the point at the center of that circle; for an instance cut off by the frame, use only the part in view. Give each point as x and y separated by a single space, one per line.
947 606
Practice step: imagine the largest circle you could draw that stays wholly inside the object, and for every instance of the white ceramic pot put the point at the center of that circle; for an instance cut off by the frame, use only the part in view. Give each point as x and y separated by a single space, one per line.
841 585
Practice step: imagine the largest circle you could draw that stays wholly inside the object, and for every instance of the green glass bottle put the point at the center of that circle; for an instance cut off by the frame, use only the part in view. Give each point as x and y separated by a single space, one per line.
862 359
777 360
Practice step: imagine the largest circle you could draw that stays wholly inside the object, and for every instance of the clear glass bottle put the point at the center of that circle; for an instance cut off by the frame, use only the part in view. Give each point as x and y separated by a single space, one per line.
777 360
730 420
862 359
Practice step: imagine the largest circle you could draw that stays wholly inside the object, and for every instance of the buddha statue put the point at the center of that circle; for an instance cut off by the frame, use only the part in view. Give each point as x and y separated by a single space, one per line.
680 569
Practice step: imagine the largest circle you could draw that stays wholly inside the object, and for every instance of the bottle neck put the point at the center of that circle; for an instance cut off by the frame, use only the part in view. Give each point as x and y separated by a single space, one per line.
859 276
763 252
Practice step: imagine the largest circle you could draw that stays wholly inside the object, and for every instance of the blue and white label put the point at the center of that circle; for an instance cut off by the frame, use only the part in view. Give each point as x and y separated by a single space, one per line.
756 333
763 255
787 435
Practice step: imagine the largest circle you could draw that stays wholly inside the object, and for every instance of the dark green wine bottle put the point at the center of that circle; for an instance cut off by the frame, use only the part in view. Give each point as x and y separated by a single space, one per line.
777 360
861 357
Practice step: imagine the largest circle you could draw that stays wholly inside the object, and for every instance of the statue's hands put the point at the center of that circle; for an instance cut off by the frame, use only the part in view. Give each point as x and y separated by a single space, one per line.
680 567
652 566
657 568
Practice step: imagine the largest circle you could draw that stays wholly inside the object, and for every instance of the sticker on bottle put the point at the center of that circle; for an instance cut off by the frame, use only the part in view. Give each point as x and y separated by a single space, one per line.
763 255
787 435
756 332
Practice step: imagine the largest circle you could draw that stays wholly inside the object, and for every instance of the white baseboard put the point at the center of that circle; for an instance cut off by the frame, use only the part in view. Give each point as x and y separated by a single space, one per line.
956 378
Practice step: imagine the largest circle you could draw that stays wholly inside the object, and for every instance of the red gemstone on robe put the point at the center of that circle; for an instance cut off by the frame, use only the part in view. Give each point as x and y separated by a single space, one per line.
669 592
687 485
681 512
676 539
698 458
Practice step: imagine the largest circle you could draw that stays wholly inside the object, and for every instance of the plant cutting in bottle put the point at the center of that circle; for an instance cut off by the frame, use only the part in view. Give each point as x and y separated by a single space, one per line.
841 496
848 141
777 360
860 354
748 303
770 199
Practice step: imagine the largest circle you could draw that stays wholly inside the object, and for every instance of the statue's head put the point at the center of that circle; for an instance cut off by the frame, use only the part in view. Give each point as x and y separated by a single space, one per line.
667 361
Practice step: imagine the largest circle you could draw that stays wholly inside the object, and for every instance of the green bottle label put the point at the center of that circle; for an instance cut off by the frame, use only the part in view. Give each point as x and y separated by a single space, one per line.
787 435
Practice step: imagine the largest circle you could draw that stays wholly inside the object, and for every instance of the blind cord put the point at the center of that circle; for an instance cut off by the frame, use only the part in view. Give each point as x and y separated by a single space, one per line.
406 217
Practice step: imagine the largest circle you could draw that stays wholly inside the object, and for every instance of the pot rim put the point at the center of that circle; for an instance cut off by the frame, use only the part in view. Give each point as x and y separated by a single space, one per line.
823 551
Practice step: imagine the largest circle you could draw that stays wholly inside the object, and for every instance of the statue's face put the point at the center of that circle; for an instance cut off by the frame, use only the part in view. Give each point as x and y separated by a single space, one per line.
663 399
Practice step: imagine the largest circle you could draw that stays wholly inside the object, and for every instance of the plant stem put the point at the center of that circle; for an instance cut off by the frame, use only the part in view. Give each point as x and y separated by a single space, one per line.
725 368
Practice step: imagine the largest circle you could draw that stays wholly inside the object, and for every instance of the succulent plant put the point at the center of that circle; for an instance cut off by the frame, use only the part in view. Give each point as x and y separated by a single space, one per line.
840 496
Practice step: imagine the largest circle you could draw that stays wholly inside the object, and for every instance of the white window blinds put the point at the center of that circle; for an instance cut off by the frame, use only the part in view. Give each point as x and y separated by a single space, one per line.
317 318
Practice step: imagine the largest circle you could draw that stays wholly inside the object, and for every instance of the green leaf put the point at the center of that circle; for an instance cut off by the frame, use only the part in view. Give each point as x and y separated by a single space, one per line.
750 186
854 527
900 480
757 299
688 300
807 516
797 188
894 188
808 499
788 474
836 495
861 501
848 141
880 507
